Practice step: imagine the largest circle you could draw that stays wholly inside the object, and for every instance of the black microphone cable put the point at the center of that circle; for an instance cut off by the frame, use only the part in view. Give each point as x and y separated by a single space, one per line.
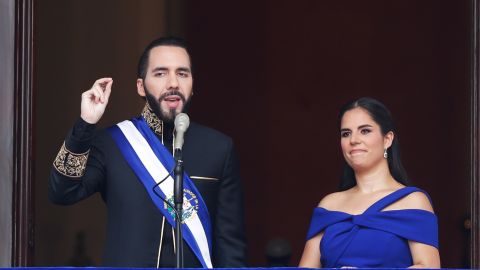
158 195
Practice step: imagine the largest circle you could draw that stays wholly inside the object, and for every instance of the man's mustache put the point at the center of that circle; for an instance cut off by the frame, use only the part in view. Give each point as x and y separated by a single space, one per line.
173 93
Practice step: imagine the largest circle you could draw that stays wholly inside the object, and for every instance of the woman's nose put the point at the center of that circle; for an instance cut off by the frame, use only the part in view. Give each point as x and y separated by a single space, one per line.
354 139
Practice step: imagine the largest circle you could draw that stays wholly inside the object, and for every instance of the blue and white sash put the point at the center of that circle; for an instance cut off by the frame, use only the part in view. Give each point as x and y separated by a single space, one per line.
152 162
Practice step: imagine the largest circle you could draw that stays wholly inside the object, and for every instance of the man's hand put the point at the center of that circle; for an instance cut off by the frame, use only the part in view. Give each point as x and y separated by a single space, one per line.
95 100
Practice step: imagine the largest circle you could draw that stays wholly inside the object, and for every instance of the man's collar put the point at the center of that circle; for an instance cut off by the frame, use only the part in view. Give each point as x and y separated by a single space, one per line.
152 120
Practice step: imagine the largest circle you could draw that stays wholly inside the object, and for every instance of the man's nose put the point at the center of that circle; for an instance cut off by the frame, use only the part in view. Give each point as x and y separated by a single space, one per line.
172 81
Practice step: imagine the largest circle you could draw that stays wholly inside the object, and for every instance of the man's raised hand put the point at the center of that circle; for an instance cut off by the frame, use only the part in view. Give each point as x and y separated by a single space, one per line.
95 100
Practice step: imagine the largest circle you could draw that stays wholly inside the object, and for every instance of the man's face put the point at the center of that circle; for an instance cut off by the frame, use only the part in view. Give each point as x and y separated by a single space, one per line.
168 82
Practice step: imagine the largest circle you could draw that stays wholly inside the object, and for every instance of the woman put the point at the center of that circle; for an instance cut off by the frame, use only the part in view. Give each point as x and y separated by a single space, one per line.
375 220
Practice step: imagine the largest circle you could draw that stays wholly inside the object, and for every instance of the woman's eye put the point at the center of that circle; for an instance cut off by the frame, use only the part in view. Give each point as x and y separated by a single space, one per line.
344 134
365 131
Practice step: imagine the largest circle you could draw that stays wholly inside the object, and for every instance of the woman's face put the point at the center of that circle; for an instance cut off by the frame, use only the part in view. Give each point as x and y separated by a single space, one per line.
362 141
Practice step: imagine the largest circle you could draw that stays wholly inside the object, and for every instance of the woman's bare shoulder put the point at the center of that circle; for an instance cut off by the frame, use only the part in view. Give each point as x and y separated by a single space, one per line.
332 200
414 200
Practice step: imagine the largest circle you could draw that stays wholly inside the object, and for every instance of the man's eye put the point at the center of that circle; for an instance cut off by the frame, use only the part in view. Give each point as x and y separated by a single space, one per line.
159 74
183 74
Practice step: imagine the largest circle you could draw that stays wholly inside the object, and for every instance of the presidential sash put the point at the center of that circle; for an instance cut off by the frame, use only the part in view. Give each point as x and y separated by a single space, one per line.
152 163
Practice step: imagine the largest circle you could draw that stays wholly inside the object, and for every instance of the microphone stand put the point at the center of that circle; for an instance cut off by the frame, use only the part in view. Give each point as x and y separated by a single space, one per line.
178 200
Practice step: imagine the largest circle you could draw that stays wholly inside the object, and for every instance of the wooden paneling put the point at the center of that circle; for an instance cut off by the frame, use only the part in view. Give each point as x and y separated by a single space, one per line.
475 140
23 196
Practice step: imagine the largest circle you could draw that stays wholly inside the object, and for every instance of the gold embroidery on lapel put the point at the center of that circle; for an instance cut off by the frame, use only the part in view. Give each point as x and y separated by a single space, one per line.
152 120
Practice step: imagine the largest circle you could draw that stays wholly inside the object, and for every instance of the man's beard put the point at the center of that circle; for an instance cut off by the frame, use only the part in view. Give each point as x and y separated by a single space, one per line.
167 116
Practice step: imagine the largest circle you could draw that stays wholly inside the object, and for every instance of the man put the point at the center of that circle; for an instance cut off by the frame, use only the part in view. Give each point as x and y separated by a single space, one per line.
129 165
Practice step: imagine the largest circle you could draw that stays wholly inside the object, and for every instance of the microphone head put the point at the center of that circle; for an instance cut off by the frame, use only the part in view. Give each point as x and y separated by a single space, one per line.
182 121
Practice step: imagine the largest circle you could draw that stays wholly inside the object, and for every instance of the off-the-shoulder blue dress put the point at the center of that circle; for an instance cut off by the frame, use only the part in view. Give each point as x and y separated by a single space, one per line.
374 238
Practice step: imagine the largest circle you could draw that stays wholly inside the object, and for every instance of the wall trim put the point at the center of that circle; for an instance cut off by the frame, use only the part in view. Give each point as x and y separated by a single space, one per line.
22 208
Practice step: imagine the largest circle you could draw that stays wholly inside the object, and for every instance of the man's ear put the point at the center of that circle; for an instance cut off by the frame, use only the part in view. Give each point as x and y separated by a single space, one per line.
140 87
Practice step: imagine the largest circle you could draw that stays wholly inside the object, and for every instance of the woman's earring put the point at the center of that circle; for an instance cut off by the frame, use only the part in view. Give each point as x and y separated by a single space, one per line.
385 154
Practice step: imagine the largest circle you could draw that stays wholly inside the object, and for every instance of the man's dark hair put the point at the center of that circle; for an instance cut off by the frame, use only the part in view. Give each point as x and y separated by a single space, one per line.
381 115
163 41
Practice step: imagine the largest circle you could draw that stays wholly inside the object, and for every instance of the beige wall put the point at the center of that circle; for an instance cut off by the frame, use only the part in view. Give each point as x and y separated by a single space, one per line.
78 42
6 128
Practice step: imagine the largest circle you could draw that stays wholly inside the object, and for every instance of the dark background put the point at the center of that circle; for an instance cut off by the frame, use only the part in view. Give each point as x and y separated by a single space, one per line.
272 75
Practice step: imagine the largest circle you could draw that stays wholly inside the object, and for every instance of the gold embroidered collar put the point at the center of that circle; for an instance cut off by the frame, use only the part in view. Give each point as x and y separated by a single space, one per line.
152 120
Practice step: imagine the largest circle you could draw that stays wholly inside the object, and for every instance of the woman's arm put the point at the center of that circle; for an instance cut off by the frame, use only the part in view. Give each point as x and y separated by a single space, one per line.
424 256
311 253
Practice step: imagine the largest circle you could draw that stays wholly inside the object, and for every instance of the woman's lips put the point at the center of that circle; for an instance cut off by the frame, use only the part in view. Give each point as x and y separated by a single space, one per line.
357 152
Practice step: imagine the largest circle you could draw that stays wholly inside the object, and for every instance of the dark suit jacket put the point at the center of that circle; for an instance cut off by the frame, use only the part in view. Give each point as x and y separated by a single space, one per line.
134 223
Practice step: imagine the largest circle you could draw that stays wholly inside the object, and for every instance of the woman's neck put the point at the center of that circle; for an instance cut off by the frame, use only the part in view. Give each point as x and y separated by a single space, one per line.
375 179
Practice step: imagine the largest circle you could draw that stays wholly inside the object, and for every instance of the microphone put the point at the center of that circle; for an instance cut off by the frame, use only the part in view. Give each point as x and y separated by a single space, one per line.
181 124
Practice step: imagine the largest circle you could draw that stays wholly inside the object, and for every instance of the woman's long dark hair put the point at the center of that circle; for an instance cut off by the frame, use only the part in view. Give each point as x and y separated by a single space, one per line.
381 115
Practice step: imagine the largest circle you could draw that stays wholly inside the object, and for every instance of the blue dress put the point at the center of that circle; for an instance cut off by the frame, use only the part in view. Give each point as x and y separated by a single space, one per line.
374 238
